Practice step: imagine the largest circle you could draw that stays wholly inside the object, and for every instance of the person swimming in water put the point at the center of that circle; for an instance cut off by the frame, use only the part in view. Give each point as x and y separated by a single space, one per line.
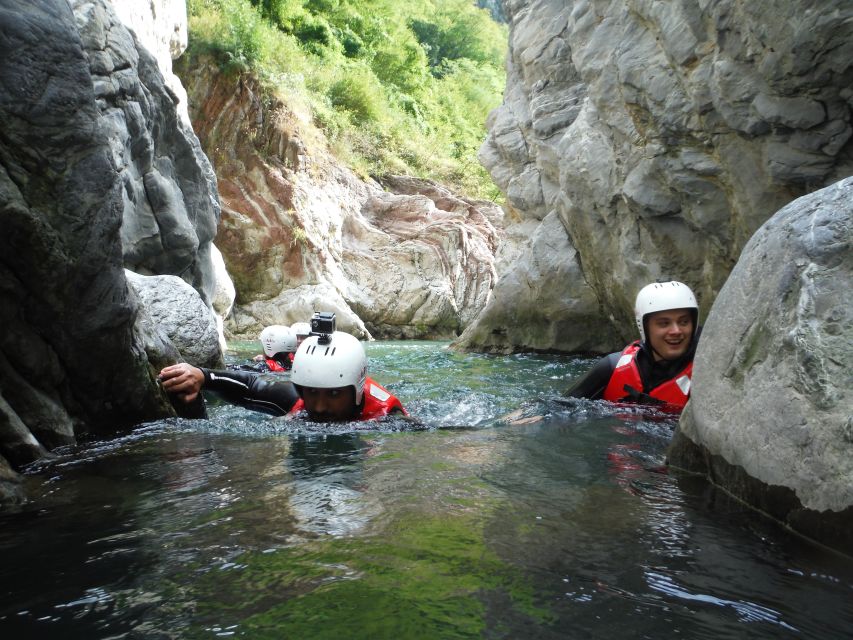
328 383
279 345
656 369
330 376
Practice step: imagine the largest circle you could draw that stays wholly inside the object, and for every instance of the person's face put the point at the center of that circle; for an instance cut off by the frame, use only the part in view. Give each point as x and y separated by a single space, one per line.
669 333
299 340
329 405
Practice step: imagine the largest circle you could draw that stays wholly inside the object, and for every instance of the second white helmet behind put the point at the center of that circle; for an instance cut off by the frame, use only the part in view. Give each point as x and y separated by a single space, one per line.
339 363
301 329
663 296
277 338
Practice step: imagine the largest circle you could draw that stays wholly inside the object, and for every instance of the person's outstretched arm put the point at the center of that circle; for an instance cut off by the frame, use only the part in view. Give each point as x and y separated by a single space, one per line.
268 393
593 383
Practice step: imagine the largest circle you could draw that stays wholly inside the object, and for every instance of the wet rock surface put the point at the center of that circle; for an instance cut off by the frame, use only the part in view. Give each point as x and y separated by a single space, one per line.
97 172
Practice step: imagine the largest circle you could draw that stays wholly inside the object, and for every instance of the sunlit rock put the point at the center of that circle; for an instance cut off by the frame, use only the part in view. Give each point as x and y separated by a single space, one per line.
161 27
302 233
223 293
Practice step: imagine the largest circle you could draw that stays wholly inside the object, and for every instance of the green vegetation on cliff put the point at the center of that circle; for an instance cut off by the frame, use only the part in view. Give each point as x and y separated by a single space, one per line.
397 87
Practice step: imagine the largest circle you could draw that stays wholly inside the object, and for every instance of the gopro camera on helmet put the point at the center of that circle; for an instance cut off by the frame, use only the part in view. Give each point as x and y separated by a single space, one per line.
323 325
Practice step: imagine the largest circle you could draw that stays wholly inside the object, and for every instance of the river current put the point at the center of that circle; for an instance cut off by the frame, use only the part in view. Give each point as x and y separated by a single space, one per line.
511 513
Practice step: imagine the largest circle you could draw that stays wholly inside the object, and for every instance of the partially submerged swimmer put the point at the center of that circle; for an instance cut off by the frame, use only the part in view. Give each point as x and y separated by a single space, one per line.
657 369
330 376
279 344
329 383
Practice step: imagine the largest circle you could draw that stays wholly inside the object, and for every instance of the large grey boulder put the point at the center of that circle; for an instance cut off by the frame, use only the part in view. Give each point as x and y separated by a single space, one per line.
177 311
663 134
771 414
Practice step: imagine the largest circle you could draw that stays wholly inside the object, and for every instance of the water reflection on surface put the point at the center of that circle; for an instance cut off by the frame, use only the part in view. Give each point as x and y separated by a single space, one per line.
559 522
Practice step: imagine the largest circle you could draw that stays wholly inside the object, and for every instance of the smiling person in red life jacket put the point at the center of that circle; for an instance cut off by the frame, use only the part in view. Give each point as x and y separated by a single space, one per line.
655 370
330 376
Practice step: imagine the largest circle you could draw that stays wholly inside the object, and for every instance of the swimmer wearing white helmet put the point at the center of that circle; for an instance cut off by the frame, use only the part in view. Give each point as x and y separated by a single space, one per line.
657 368
301 330
330 376
279 344
329 382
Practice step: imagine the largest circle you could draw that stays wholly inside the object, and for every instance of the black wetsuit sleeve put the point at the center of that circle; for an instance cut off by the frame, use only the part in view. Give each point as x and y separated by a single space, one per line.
266 393
593 383
256 367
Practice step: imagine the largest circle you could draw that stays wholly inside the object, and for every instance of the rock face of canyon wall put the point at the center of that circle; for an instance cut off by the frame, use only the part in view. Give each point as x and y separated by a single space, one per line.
662 135
161 27
301 233
97 172
170 205
771 415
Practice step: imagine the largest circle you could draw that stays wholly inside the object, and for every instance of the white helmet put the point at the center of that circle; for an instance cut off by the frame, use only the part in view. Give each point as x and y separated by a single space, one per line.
300 328
339 363
663 296
277 338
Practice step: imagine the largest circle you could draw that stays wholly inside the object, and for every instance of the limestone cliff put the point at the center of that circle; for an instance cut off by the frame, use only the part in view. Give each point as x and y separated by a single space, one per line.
300 232
661 135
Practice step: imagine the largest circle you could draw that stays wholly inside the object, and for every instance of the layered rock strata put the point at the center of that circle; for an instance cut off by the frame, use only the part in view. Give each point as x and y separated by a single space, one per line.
771 415
301 233
662 135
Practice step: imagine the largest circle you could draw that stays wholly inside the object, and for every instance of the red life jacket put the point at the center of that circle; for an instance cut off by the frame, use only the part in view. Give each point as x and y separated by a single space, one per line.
377 402
674 392
273 365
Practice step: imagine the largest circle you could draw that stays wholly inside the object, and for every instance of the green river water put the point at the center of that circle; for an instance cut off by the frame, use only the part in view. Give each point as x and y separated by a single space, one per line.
566 526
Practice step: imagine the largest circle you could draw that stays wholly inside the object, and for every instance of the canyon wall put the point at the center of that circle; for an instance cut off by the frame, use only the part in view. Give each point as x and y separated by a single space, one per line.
301 232
661 135
98 172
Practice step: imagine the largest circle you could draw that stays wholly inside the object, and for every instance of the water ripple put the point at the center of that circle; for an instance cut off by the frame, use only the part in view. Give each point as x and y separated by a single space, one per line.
746 611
